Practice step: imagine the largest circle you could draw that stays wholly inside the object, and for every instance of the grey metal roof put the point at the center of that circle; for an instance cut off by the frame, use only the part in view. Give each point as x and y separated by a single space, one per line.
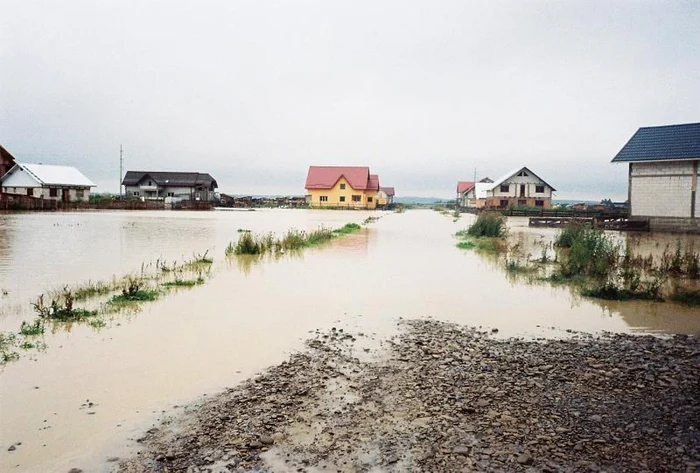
662 143
183 179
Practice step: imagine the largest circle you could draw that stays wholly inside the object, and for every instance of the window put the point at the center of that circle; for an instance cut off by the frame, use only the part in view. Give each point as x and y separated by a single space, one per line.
369 199
357 198
539 203
323 198
522 174
30 191
539 189
505 187
53 192
80 193
171 194
342 197
342 187
150 183
135 193
504 203
522 203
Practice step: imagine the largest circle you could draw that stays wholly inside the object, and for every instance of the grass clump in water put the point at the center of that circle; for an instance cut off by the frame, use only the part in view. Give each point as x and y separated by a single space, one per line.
61 308
591 254
686 296
570 233
249 244
35 328
488 224
134 291
184 282
91 289
347 228
466 245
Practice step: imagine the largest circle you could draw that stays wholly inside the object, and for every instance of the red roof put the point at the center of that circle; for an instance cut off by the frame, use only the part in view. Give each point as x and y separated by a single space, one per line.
325 177
389 191
463 186
373 182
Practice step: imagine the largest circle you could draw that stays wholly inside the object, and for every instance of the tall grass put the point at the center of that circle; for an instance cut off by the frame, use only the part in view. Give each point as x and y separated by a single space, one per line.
591 253
250 244
488 224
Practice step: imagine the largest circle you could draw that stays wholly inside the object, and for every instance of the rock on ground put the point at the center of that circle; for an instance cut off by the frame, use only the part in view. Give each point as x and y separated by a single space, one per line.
448 398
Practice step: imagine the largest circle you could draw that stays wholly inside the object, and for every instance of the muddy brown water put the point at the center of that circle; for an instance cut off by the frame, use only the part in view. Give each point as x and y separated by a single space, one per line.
246 317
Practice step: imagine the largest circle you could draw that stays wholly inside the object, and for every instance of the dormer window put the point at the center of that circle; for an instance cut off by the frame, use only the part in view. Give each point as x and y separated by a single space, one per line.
522 174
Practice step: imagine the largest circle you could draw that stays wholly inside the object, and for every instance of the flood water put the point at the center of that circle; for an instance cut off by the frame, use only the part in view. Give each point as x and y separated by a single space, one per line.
197 341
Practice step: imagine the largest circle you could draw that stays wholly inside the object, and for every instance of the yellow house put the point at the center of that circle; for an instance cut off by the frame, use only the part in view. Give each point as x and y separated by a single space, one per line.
351 187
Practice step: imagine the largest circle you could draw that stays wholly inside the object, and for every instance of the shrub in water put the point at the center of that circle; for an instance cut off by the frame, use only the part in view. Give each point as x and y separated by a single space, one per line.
488 224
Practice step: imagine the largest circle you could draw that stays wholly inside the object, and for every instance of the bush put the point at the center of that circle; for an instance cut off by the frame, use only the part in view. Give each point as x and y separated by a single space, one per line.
591 253
488 224
568 235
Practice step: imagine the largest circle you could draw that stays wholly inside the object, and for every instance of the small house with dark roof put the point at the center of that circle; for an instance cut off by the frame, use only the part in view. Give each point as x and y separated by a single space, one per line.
170 186
663 176
352 187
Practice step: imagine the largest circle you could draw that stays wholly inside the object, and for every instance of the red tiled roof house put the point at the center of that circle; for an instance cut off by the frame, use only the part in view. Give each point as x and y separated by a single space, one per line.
351 187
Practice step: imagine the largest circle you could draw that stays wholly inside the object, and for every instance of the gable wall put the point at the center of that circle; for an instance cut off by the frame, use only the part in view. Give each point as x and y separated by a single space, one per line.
20 178
662 189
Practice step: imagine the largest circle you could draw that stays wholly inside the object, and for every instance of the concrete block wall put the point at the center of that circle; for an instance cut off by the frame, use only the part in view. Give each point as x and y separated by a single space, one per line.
662 189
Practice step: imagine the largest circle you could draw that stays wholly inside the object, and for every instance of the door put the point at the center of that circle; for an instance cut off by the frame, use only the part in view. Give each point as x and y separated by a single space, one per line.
522 190
66 195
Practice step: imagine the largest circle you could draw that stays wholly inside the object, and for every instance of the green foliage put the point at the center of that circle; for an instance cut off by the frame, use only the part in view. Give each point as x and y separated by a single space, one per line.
91 289
134 290
686 296
466 245
8 341
184 282
591 253
35 328
569 234
61 308
249 244
488 224
347 228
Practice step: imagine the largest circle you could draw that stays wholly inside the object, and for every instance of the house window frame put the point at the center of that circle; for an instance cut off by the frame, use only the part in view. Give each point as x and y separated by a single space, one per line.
504 188
136 193
342 187
323 198
356 198
369 200
53 192
503 203
539 203
537 189
342 198
171 194
79 193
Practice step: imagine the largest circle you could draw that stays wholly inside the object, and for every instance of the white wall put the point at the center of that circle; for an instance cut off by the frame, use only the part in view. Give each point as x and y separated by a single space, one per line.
662 189
531 182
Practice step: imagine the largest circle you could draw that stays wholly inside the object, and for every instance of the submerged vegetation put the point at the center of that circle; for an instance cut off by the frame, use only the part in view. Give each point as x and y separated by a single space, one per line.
250 244
598 266
488 224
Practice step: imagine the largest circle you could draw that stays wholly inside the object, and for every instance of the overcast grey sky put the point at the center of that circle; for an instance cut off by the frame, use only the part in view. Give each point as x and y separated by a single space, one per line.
424 92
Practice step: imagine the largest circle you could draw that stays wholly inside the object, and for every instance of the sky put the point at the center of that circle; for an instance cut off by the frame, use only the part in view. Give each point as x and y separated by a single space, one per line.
426 93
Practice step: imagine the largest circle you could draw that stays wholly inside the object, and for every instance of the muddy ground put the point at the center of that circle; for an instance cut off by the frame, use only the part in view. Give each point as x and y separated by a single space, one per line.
441 397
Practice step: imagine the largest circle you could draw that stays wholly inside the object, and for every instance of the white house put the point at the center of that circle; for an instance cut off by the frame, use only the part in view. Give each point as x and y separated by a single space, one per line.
147 185
519 188
663 176
469 193
64 183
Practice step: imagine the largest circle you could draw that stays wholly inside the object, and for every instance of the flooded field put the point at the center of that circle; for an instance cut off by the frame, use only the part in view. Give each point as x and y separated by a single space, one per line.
92 391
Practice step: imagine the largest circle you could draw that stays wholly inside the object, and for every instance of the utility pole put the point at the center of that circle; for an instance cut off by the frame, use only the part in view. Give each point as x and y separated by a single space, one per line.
121 169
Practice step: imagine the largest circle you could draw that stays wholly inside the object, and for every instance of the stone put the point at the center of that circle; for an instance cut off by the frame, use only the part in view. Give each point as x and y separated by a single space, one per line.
525 459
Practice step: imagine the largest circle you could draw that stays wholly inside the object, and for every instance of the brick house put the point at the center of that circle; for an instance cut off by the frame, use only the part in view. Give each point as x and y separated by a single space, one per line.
663 176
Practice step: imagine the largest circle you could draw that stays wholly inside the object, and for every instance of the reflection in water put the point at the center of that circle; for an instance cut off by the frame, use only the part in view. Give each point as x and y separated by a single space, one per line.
250 314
